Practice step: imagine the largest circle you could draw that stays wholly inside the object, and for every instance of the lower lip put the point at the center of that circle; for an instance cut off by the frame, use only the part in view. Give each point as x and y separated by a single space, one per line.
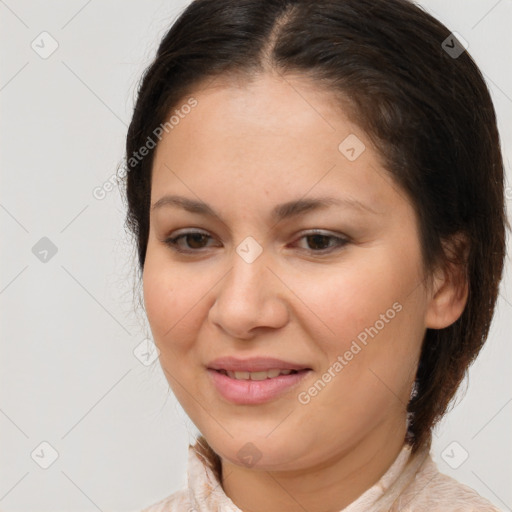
243 392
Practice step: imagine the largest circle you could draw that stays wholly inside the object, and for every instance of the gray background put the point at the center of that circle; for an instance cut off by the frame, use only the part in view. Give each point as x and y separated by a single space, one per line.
68 373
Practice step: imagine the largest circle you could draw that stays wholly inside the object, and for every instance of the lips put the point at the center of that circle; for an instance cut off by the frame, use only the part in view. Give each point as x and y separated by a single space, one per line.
265 374
255 381
254 364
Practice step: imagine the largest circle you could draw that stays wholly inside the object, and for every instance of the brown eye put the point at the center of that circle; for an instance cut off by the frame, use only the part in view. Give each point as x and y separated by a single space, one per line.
318 242
194 241
197 239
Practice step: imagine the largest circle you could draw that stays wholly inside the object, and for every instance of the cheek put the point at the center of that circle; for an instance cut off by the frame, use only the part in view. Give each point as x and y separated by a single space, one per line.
172 303
371 316
346 302
380 355
159 300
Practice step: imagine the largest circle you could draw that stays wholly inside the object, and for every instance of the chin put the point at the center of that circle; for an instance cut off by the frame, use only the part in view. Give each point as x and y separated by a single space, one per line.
259 452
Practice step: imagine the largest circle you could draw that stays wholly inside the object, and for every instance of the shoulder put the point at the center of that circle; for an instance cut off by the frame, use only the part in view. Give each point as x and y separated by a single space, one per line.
178 501
431 490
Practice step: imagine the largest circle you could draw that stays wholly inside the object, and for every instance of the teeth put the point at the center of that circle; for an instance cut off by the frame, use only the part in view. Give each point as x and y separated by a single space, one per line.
270 374
257 375
239 375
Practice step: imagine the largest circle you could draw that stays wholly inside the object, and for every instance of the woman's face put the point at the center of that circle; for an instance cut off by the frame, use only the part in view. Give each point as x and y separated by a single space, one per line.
331 287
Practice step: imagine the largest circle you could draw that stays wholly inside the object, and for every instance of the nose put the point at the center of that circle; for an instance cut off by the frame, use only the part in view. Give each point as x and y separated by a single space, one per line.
249 298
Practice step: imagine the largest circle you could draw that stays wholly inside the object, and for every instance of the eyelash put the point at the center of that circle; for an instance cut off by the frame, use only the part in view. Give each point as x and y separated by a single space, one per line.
340 242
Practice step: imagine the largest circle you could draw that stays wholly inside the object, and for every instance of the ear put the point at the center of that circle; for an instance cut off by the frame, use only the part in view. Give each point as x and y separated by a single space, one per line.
450 287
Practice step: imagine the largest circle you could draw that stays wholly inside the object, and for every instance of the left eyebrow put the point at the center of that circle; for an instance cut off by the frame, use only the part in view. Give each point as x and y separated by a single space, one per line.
300 206
278 213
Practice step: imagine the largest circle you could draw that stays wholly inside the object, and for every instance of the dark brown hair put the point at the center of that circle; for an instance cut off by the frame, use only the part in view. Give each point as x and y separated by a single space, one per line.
393 68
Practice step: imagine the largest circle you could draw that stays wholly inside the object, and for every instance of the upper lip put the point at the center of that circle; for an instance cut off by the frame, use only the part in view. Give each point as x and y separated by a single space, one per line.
253 364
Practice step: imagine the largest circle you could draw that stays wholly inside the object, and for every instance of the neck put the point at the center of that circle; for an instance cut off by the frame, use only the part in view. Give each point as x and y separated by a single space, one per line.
328 487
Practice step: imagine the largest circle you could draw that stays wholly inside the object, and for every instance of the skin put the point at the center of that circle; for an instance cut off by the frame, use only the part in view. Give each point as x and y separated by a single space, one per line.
243 149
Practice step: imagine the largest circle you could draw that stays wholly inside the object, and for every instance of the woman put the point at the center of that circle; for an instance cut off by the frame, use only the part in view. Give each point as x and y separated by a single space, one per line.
316 192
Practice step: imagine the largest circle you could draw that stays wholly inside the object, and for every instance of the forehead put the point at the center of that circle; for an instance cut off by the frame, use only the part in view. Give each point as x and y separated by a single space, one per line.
274 136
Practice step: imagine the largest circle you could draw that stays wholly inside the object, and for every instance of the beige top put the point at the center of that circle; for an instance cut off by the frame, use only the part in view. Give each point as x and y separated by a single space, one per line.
411 484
